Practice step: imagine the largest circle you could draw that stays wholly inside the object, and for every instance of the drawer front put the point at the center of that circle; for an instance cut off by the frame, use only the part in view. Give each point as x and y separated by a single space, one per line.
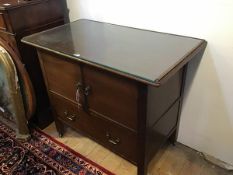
112 96
62 75
2 22
111 135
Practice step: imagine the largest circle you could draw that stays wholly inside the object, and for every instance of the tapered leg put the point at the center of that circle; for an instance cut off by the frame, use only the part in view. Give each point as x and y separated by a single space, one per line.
142 130
142 169
59 127
173 137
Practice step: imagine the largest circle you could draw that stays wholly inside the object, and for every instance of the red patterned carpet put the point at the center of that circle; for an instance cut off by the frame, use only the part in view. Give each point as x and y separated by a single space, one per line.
42 155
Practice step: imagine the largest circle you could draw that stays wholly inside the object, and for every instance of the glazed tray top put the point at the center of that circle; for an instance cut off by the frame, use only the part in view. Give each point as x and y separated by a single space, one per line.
146 56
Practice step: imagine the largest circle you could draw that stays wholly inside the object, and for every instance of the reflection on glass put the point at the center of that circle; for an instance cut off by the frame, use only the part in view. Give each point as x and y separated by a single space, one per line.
144 54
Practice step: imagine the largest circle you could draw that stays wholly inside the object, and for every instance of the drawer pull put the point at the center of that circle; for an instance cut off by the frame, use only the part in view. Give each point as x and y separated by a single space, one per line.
111 140
71 117
65 113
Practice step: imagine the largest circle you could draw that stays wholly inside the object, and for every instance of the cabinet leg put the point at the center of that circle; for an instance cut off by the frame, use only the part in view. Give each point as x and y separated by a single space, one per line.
60 135
173 138
59 127
142 170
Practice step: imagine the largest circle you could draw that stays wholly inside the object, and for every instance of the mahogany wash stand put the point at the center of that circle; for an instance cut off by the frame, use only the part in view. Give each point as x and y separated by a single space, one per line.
121 86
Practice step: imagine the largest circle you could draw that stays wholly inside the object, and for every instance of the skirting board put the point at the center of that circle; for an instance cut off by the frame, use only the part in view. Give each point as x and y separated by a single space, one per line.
218 162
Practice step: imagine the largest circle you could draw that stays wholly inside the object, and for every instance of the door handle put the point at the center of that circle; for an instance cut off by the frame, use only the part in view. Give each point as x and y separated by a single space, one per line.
87 90
79 87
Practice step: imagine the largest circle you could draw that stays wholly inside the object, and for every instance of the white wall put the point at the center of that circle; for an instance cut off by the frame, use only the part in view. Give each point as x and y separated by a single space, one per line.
207 115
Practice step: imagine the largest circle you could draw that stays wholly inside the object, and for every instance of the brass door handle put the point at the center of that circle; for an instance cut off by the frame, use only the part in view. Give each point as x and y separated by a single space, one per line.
87 90
112 140
79 87
82 92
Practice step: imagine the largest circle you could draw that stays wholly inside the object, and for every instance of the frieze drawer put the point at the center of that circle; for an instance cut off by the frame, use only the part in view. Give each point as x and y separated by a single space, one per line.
113 136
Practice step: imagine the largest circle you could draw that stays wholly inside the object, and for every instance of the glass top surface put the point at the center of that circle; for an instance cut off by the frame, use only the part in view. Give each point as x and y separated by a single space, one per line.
143 54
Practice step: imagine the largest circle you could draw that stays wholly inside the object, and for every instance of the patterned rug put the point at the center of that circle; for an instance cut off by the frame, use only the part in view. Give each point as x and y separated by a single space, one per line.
42 155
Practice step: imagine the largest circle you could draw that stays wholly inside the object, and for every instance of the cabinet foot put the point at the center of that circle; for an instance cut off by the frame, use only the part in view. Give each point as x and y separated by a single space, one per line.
60 134
59 127
173 138
142 171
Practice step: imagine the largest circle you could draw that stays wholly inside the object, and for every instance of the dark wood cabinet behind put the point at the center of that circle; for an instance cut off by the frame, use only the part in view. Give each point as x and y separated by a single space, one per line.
19 19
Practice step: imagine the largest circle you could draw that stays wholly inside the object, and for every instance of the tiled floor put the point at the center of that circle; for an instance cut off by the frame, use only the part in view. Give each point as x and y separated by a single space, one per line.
173 160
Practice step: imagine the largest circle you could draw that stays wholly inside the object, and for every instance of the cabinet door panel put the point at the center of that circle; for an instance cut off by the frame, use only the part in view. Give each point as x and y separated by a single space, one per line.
112 96
62 75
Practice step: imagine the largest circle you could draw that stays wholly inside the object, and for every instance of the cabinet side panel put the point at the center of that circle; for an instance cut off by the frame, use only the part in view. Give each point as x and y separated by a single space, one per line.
162 113
161 98
159 133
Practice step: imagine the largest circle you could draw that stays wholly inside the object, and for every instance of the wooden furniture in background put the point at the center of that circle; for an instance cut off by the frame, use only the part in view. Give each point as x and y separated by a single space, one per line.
123 87
22 18
17 99
22 75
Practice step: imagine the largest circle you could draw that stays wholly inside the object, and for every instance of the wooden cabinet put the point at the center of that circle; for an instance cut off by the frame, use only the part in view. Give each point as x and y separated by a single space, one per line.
95 115
19 19
98 85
